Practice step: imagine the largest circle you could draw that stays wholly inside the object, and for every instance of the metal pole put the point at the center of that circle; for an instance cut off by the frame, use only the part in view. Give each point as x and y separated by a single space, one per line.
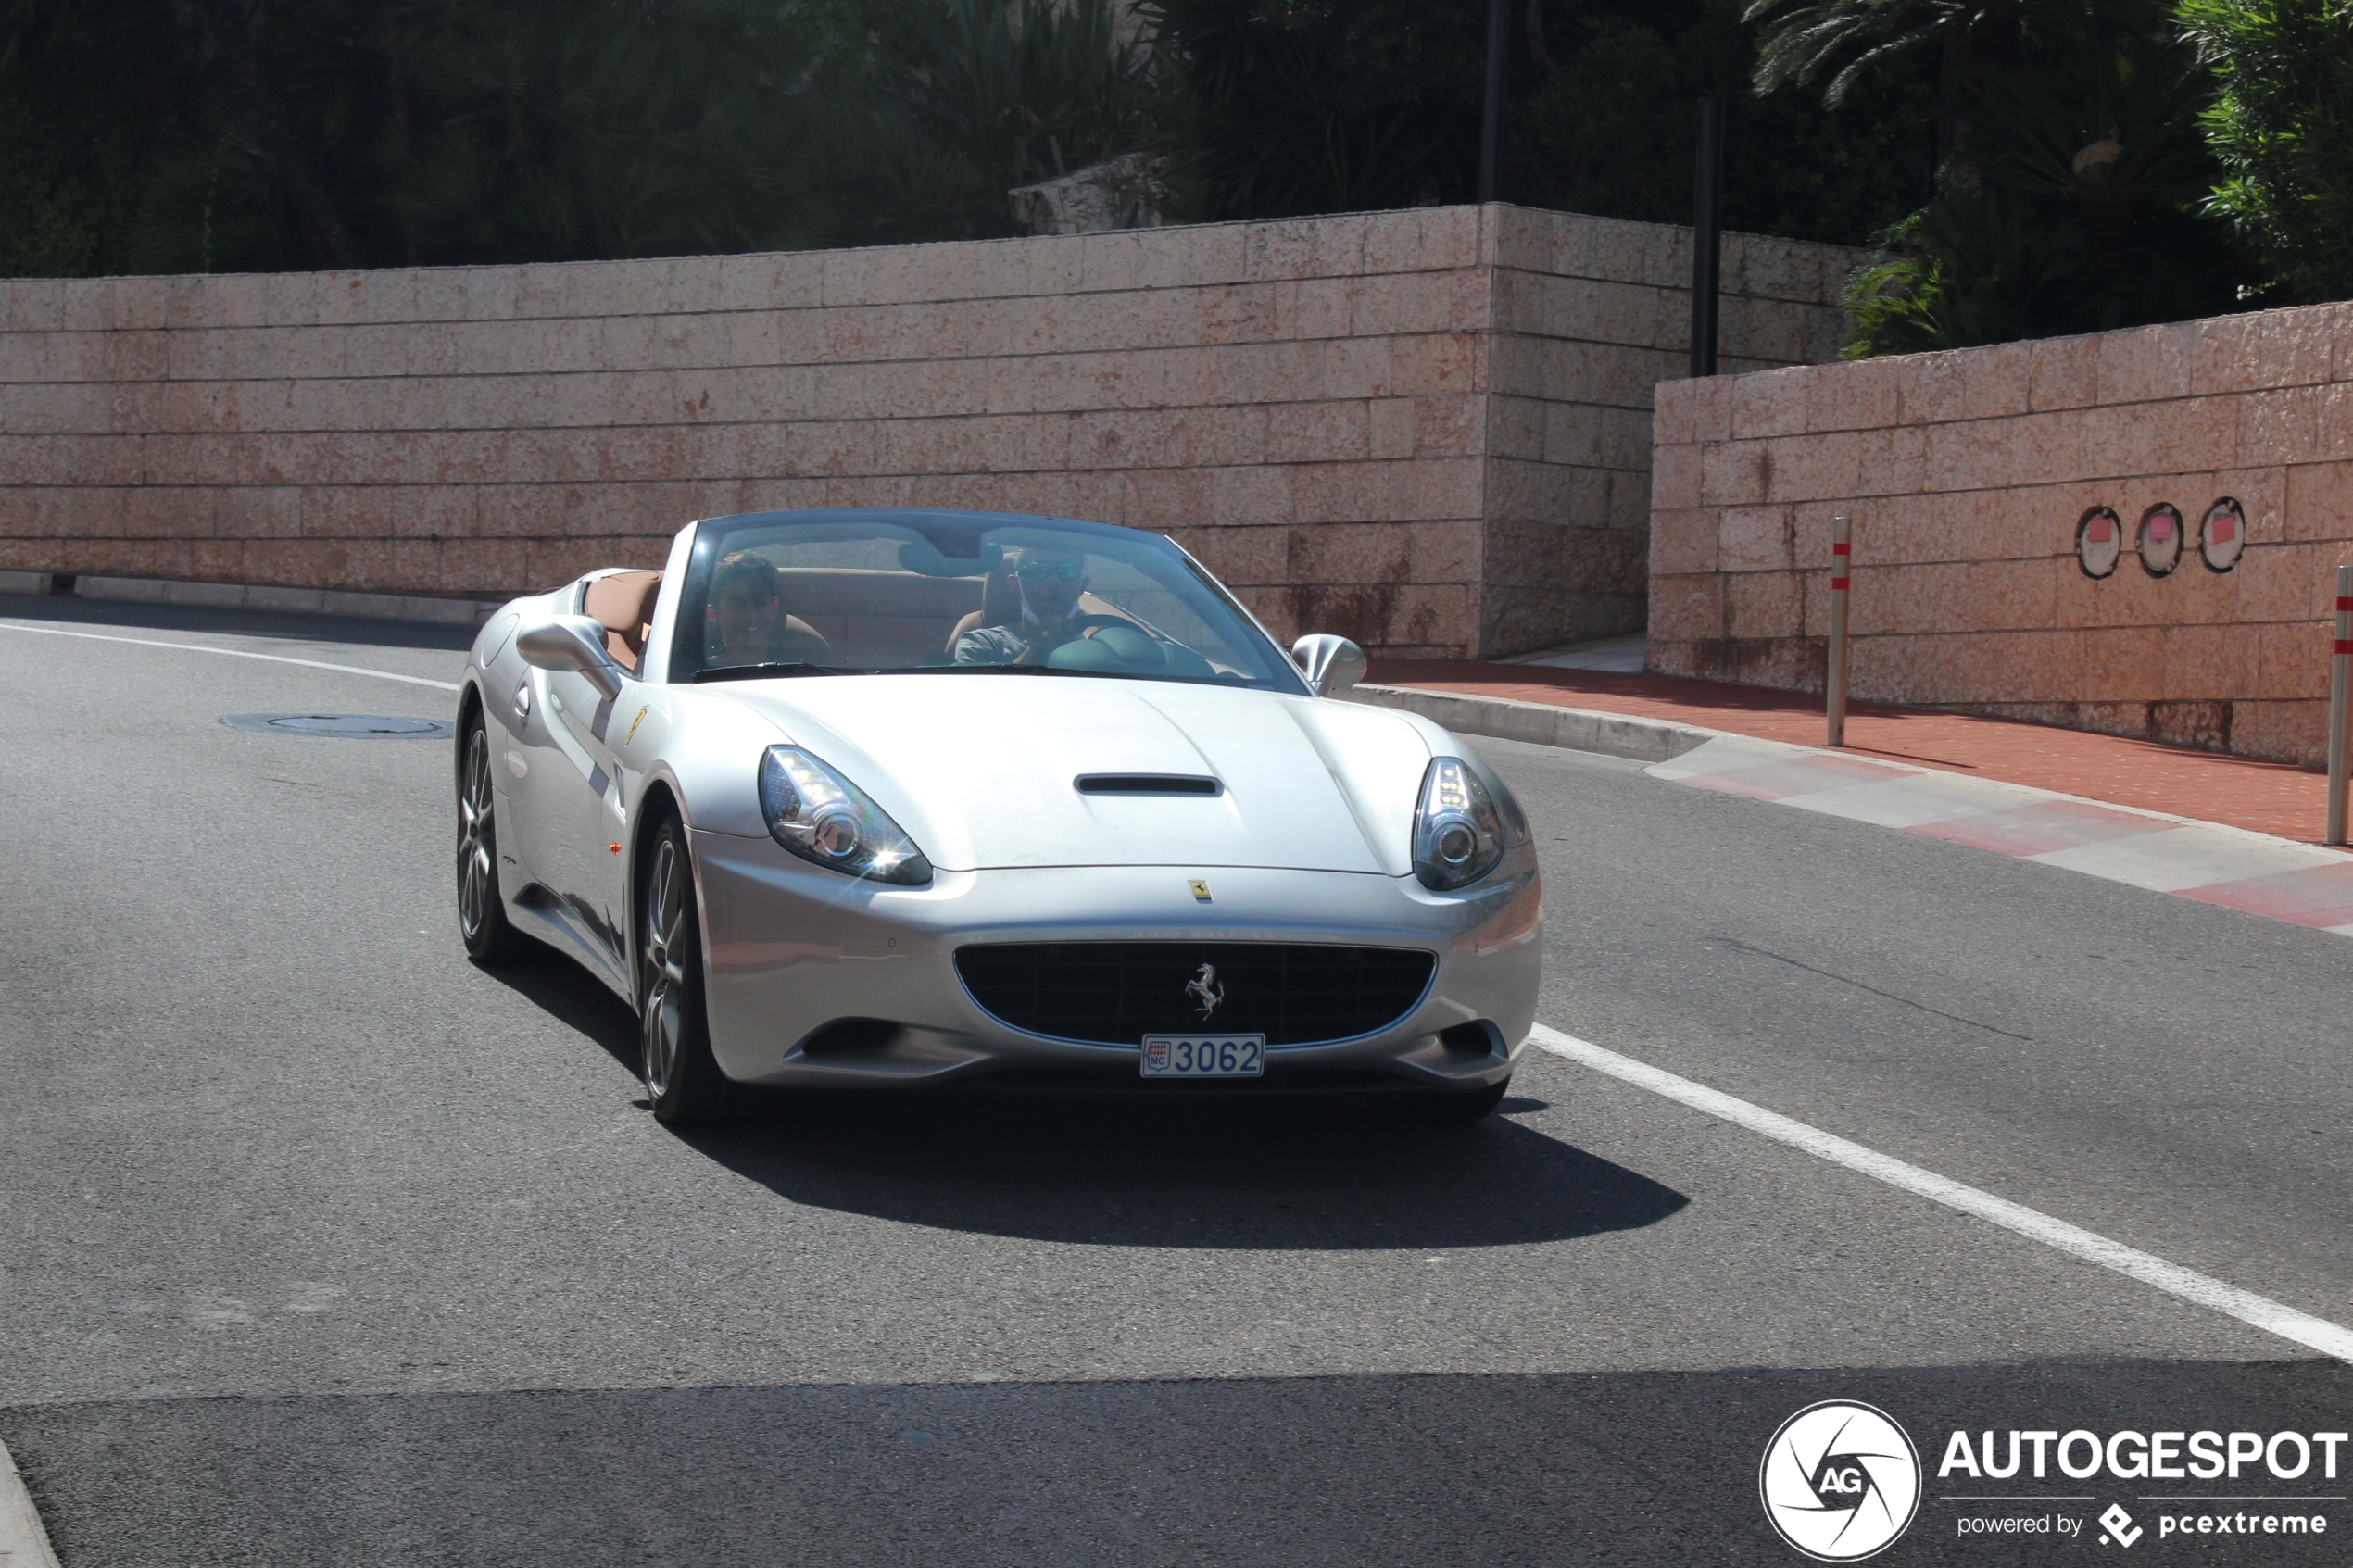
1491 128
1708 224
1834 688
2340 699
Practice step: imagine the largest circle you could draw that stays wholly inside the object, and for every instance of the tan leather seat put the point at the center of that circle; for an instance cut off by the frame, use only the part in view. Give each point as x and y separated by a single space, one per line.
624 604
999 606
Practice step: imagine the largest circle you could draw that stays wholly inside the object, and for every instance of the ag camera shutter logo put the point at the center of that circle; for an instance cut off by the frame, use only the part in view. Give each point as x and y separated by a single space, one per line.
1840 1481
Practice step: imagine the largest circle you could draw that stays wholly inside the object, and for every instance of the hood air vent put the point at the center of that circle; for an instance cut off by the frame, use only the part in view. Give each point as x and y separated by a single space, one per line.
1146 784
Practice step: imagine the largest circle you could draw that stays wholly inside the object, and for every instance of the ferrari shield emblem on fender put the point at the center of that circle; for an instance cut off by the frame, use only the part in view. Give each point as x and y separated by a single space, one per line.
1200 891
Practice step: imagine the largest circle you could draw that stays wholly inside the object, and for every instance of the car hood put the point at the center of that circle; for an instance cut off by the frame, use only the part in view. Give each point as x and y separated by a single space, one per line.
981 770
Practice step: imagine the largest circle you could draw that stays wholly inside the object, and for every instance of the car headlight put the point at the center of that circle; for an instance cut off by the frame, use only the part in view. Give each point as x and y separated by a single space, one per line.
1457 836
828 822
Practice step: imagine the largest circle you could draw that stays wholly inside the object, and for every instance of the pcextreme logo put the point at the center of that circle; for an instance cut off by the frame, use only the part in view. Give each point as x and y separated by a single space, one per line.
1840 1481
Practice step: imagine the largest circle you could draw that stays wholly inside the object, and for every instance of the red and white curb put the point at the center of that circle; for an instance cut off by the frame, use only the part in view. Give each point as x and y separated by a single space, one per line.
23 1543
2276 878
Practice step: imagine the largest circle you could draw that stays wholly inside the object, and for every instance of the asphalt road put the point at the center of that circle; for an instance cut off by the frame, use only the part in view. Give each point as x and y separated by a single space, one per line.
320 1244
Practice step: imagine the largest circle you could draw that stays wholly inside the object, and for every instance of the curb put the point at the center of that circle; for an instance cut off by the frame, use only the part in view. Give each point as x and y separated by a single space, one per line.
23 1542
240 596
1577 728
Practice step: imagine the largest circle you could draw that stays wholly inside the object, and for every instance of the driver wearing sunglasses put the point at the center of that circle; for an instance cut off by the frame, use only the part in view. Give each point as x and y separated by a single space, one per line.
1048 582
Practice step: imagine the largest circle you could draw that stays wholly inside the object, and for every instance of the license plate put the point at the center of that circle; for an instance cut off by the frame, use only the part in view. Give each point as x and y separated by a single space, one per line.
1204 1055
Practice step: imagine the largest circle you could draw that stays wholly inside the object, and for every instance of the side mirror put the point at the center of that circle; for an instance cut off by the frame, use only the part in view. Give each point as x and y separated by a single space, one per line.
573 643
1331 664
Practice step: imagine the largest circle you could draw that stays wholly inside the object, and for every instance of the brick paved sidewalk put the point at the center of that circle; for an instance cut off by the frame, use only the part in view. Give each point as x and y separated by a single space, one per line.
2269 798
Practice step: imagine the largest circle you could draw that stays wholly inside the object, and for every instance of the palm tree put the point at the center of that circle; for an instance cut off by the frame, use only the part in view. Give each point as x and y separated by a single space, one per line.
1850 39
1023 90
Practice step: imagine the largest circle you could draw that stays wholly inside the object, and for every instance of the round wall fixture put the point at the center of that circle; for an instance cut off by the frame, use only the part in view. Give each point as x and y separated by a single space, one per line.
356 726
2099 541
2223 535
2159 540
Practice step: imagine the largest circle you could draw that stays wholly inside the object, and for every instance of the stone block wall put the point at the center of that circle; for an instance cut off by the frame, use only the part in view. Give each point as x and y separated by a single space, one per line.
1428 429
1966 474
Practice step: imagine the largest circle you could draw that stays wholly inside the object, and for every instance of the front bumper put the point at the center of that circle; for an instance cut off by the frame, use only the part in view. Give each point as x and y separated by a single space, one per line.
792 950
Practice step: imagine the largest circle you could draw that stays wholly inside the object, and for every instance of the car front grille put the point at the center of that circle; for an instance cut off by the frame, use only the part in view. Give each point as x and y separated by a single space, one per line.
1115 993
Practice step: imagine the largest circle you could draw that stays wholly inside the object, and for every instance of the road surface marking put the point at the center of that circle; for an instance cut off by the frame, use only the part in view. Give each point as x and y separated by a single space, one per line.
2259 1312
233 653
23 1543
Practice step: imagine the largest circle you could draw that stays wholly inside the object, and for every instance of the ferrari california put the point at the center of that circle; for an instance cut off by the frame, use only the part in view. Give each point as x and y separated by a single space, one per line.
903 799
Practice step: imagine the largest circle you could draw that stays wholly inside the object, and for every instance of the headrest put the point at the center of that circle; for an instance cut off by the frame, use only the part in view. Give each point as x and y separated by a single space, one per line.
624 604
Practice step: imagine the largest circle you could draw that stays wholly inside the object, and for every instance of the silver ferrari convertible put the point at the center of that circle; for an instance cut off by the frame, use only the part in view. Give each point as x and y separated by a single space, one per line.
897 800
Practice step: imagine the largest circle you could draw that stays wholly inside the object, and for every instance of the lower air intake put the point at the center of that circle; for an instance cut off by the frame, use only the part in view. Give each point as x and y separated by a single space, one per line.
1115 993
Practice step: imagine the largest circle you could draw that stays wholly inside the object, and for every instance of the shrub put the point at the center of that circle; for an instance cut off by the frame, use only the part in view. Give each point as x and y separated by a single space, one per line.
2283 130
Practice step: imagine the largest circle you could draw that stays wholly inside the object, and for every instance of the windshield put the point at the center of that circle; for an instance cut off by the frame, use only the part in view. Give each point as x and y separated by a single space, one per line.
892 592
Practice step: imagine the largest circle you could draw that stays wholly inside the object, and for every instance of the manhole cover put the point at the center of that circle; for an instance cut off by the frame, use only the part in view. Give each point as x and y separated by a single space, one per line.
364 726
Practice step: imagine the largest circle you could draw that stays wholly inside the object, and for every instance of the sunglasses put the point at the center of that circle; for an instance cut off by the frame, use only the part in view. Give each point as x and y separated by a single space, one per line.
1039 571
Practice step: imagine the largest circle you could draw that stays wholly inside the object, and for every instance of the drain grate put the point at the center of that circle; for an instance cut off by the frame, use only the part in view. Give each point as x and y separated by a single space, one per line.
358 726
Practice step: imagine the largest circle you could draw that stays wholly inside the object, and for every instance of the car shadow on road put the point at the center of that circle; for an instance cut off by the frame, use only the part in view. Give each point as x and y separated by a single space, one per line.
1117 1171
280 625
1109 1172
569 993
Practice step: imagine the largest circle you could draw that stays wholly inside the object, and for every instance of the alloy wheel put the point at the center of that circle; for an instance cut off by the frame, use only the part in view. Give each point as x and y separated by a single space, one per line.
664 1019
477 863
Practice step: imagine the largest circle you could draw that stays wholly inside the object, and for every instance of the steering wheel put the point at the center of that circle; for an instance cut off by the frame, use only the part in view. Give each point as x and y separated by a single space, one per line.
1116 646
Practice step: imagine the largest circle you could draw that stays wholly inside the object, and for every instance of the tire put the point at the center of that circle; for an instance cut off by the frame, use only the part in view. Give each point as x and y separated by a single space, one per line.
482 914
684 1084
1453 1108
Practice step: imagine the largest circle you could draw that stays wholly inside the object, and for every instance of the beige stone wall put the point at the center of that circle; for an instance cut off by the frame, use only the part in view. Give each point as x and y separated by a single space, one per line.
1966 474
1428 429
1590 315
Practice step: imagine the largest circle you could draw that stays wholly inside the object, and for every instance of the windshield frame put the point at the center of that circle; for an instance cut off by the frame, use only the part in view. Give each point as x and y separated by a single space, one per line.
956 535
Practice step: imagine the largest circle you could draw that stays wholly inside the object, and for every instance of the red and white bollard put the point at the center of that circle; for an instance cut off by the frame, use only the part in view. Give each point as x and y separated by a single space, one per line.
2340 697
1834 687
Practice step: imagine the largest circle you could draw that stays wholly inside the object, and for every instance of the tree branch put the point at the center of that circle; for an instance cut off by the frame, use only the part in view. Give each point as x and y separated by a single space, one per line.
331 244
1536 49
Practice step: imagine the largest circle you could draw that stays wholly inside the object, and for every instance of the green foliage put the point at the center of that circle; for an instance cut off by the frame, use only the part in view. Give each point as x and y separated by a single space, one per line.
452 130
1315 106
523 135
1612 132
1027 89
2072 172
445 130
86 91
990 95
1856 40
2282 127
1327 106
457 131
53 225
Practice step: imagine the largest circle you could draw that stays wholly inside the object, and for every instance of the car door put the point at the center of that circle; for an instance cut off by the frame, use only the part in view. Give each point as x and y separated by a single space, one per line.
540 781
582 721
583 800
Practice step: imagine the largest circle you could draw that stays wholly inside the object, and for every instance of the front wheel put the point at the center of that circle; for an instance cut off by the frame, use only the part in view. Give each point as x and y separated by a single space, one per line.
683 1083
482 914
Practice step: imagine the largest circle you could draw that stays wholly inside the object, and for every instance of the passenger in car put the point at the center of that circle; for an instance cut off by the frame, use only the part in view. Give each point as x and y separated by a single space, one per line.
745 621
1048 582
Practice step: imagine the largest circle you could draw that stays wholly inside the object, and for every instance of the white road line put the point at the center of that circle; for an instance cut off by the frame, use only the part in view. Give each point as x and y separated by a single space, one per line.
2319 1334
23 1543
231 653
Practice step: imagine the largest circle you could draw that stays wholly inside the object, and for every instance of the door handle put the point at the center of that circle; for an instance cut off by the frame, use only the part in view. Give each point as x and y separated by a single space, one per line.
522 701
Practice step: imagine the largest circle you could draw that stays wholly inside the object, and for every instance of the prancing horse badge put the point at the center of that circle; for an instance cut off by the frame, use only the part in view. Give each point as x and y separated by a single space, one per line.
1201 892
1205 991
